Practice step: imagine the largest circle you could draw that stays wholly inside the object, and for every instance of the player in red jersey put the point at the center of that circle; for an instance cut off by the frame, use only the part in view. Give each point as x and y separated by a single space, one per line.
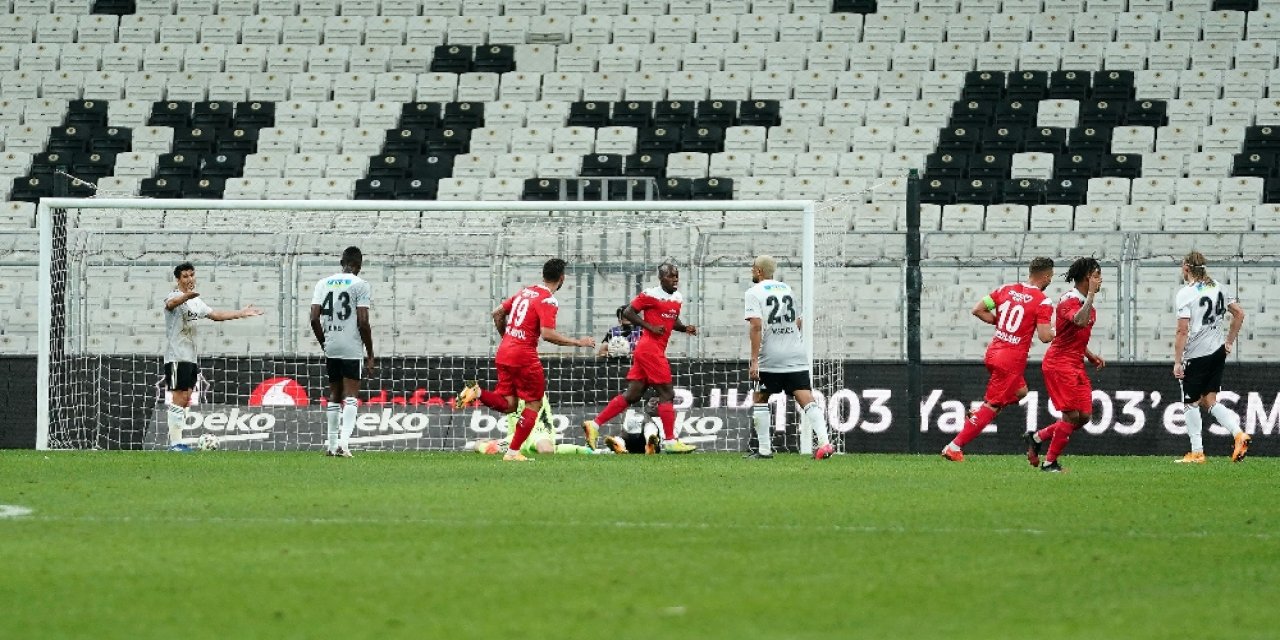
1063 366
1017 310
657 311
523 320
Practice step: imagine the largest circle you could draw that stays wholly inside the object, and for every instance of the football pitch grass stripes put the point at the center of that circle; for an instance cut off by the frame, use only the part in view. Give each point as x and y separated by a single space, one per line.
279 545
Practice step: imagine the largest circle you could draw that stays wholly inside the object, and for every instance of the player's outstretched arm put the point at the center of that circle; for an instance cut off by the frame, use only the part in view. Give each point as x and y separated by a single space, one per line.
177 301
555 337
249 311
316 327
983 310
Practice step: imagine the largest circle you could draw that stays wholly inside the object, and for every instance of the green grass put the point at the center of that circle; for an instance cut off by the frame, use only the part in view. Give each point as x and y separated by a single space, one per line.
276 545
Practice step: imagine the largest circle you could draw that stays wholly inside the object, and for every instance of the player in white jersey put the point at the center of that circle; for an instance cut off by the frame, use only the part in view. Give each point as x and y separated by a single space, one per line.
182 307
779 361
1200 354
340 321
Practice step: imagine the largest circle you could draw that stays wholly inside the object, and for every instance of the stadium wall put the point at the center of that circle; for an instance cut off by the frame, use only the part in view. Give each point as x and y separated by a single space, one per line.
276 403
18 404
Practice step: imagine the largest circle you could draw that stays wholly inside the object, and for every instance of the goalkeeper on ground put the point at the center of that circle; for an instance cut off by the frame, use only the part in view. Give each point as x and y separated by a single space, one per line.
542 440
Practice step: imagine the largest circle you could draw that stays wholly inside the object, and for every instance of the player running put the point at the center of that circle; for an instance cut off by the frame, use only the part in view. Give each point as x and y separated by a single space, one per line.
779 361
1017 310
182 307
523 320
340 322
1200 354
657 311
1064 375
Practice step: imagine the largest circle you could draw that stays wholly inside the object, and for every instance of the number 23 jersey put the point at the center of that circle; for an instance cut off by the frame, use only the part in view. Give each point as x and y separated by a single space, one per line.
339 296
782 346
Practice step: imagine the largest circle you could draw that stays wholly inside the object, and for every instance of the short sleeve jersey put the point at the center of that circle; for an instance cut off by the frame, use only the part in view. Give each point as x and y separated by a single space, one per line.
781 346
528 312
180 327
1019 308
339 296
658 308
1071 340
1205 306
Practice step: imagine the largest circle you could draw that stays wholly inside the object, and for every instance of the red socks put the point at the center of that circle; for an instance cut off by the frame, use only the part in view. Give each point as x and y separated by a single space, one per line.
495 402
1046 434
615 408
1061 436
667 414
974 425
524 426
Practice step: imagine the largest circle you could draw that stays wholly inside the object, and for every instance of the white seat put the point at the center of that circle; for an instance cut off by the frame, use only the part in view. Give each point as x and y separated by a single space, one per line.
1140 218
1153 191
1033 165
515 165
534 140
1209 165
1058 113
1185 218
579 140
1096 217
829 139
352 166
1052 217
471 165
687 165
558 165
1108 191
731 164
619 140
1241 191
817 164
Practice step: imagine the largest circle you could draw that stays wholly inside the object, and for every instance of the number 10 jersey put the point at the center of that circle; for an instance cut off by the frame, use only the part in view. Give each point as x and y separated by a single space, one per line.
782 347
339 296
1019 307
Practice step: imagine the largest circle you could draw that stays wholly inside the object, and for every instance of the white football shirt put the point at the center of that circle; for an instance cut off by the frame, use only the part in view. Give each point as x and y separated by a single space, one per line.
781 347
180 327
1205 305
339 296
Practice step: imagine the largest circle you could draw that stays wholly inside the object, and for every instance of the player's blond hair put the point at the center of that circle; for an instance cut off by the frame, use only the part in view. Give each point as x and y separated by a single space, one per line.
1196 264
767 265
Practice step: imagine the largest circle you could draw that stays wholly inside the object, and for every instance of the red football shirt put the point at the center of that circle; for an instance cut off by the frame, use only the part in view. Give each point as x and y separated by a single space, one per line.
1069 344
528 312
660 309
1019 308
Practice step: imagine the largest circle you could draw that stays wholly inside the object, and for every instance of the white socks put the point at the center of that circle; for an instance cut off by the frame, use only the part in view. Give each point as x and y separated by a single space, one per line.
348 422
760 416
176 417
816 422
332 413
1226 418
1191 415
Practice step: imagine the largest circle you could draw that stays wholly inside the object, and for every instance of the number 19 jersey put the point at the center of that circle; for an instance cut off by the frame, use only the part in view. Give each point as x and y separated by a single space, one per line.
781 345
1019 307
339 296
528 312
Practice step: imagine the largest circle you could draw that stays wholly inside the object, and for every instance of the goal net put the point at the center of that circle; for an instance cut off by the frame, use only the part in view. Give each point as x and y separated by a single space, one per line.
437 270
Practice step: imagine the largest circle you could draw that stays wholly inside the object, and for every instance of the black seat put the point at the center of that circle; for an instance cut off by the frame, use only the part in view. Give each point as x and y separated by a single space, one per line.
49 163
1066 191
1003 139
212 115
1146 113
1089 140
1021 113
431 166
1045 140
716 113
958 140
417 188
420 115
1113 85
659 140
1077 166
541 189
1070 85
371 188
170 113
89 114
407 141
935 190
388 165
971 114
1023 191
204 188
1102 113
178 165
675 189
452 58
673 113
854 6
196 140
632 113
68 139
644 165
990 166
589 114
634 189
697 139
463 115
223 166
238 141
946 165
1254 164
601 165
978 191
1120 165
93 166
112 140
983 86
711 189
254 115
1028 85
760 113
449 140
161 187
495 58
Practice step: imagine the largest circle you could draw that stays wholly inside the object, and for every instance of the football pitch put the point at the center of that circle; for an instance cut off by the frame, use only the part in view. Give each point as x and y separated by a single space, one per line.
410 545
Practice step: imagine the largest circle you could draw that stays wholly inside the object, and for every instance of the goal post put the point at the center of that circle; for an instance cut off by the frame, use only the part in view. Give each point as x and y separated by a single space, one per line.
105 265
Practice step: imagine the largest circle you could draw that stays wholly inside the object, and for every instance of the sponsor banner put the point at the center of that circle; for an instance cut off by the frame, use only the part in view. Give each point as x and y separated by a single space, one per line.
406 405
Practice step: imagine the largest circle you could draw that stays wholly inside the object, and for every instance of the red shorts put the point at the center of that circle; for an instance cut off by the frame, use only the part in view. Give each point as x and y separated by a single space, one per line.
1069 387
1007 378
525 381
650 368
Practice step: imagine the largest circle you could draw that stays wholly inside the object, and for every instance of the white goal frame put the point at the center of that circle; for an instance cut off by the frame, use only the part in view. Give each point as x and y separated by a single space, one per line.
44 216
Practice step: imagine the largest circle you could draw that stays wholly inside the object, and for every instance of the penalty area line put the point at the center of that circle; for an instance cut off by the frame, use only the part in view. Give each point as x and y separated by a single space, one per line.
13 511
692 526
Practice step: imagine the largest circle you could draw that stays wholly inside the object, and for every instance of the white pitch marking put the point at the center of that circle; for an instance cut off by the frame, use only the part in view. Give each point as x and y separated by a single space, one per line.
387 438
13 511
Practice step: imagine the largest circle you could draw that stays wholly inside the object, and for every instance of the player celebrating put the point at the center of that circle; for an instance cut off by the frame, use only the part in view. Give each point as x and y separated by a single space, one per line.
1200 353
1064 375
779 361
182 307
1017 310
340 311
523 320
657 311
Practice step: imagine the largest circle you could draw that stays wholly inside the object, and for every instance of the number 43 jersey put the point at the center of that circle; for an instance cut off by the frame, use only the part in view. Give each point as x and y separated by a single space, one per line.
782 347
339 296
1019 307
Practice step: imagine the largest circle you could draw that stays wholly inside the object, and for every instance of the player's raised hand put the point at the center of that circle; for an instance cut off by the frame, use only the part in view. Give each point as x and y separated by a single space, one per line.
691 330
1095 282
1177 370
250 311
586 341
